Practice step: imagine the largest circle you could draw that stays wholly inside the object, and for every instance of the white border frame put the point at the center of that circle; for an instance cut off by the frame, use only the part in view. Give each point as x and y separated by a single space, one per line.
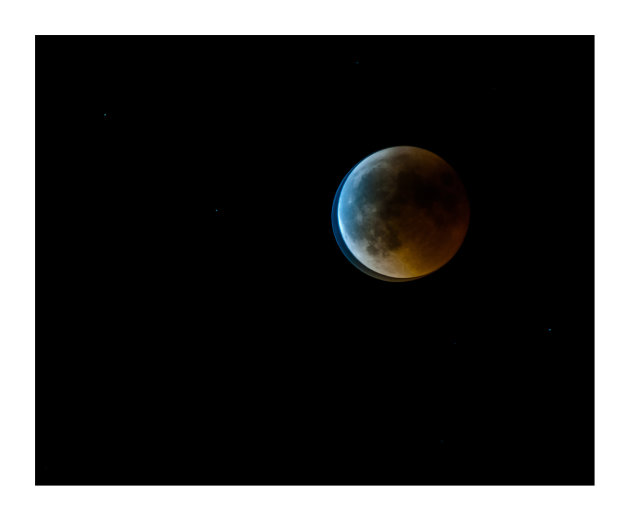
21 500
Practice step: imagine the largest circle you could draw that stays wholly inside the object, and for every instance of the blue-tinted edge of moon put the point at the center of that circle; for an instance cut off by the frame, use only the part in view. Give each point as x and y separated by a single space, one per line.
342 244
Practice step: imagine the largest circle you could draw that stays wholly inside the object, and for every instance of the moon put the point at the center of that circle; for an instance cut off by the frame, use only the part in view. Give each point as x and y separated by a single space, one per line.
400 214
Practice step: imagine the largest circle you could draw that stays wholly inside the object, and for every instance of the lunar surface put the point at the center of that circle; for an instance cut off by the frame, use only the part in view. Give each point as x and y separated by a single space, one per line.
400 213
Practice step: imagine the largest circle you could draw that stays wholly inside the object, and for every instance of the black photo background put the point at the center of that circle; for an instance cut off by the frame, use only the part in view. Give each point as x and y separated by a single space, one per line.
196 321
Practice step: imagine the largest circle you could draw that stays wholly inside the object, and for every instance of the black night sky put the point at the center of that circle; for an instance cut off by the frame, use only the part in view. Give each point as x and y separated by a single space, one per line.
196 320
